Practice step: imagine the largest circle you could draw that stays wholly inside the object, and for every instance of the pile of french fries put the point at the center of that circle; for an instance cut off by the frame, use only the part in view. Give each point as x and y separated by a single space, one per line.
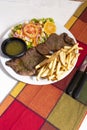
56 65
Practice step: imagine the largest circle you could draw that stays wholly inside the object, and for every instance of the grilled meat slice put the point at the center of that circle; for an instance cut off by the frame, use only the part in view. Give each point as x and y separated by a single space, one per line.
54 43
49 45
68 40
25 65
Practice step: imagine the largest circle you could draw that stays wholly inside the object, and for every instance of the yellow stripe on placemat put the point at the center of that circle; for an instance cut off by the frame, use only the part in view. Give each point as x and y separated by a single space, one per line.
5 104
80 9
18 88
70 22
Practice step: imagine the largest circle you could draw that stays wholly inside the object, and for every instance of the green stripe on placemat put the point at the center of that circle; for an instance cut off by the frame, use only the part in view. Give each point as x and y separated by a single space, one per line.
67 114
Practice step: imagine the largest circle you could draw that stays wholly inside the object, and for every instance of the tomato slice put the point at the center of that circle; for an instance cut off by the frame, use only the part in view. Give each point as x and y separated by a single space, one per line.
30 30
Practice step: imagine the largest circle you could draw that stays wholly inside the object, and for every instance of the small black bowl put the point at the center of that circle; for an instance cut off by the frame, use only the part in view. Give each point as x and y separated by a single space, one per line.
13 47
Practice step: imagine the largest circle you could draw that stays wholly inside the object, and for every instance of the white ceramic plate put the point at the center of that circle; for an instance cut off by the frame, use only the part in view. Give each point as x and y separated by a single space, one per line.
32 79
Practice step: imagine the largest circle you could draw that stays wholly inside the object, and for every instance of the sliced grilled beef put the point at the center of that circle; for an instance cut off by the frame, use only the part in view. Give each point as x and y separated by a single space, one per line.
54 43
43 49
25 65
68 40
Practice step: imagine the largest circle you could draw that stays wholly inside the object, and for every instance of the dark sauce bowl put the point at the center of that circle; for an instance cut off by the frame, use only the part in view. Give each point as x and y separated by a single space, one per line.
13 47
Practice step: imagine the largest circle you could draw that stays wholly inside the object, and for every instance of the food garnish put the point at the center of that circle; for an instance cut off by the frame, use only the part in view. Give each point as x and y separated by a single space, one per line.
49 27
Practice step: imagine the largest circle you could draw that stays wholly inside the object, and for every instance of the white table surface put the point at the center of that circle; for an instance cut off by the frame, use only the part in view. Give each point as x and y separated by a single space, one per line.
14 11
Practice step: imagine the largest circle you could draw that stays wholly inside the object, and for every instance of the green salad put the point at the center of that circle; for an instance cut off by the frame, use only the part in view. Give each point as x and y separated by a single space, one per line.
35 31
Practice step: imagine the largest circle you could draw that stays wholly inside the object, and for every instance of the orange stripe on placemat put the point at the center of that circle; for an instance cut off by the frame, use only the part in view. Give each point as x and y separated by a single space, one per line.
79 30
5 104
40 98
45 100
28 93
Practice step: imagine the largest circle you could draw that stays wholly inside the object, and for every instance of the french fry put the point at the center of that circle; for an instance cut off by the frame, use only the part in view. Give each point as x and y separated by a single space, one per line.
72 48
40 72
69 61
50 65
53 66
56 65
75 58
52 77
45 72
67 47
58 77
48 56
58 68
62 57
42 63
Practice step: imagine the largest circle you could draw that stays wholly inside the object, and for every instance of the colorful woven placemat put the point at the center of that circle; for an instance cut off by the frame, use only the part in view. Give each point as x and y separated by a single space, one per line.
48 107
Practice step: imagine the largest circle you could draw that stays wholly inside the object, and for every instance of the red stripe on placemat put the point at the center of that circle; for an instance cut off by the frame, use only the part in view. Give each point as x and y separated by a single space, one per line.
79 30
11 115
28 121
18 117
83 53
83 16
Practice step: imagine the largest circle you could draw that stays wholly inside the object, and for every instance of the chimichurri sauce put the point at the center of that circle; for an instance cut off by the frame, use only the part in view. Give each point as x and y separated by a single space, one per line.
14 48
